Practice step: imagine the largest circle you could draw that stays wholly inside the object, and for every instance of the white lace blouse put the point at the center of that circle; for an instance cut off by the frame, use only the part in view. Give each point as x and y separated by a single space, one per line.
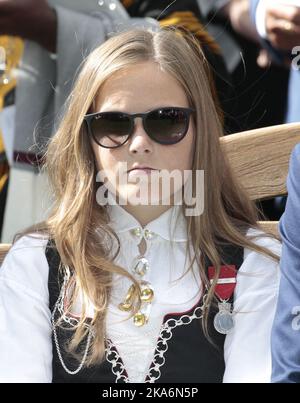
25 318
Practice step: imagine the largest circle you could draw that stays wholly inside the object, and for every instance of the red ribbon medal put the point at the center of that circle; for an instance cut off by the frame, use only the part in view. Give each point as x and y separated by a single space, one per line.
226 282
223 321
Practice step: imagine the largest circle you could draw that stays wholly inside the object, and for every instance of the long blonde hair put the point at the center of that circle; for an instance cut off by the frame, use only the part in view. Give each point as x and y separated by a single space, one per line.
79 225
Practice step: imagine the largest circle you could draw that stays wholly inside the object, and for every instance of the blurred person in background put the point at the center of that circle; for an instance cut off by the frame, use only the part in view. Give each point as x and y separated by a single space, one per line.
278 24
286 327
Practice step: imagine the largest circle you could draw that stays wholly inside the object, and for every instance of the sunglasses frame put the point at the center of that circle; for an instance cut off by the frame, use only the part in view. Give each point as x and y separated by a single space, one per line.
132 116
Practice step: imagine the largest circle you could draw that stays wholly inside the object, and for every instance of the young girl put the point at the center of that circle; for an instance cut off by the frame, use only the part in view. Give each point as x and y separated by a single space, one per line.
106 291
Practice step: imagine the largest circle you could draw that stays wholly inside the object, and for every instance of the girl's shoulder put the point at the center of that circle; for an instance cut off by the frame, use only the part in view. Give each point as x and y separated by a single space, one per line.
26 265
258 270
262 239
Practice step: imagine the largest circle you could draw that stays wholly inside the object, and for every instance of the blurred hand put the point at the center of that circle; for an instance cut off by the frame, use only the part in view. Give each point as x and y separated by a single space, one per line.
238 13
29 19
283 26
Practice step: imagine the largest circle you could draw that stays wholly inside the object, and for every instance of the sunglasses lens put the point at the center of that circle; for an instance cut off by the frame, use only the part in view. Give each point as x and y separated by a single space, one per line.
110 129
167 125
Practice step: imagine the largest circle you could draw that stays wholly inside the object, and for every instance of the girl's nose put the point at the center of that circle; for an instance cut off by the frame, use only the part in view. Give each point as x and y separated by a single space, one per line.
140 142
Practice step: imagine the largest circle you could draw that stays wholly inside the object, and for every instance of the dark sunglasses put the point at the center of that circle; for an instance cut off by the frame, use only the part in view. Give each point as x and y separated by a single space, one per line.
166 125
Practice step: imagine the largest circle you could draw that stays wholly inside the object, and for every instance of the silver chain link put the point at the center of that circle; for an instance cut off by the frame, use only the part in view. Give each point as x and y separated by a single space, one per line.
161 347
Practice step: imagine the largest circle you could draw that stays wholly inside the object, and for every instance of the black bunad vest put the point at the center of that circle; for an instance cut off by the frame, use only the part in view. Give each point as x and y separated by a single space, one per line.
189 357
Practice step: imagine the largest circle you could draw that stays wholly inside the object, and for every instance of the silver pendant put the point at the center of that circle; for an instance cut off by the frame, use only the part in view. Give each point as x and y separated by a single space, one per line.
223 321
140 266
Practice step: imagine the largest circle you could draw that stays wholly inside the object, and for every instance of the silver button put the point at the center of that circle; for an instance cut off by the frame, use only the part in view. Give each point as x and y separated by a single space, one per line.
141 266
140 232
137 231
148 234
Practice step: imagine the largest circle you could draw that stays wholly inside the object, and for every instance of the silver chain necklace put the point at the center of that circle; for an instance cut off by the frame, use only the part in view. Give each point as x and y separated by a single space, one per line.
90 334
